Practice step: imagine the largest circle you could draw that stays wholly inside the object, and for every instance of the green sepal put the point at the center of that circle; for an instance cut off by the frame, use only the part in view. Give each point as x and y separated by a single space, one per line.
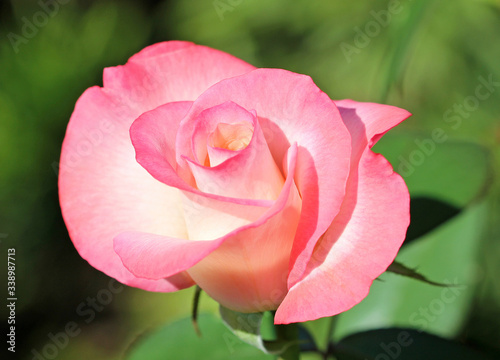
247 328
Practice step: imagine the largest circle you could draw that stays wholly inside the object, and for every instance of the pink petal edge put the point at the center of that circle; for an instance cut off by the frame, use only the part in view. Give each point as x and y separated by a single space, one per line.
360 244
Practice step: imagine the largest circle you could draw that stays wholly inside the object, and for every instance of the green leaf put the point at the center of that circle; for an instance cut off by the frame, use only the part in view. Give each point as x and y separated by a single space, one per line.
289 336
426 215
179 341
400 269
455 172
402 344
443 177
306 340
448 255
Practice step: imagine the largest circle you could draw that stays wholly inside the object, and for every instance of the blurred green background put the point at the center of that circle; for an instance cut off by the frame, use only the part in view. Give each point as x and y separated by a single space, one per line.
427 56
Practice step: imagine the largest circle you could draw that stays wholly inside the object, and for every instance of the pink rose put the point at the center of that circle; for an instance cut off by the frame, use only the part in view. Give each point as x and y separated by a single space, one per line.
190 166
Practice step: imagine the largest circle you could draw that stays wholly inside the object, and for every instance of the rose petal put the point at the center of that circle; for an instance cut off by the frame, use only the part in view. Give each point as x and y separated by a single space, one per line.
205 216
255 256
104 191
208 218
161 49
218 156
365 236
251 173
151 135
208 124
291 109
154 257
377 119
171 71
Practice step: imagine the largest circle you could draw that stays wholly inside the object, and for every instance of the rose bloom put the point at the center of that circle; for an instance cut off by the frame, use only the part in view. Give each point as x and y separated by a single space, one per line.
190 166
